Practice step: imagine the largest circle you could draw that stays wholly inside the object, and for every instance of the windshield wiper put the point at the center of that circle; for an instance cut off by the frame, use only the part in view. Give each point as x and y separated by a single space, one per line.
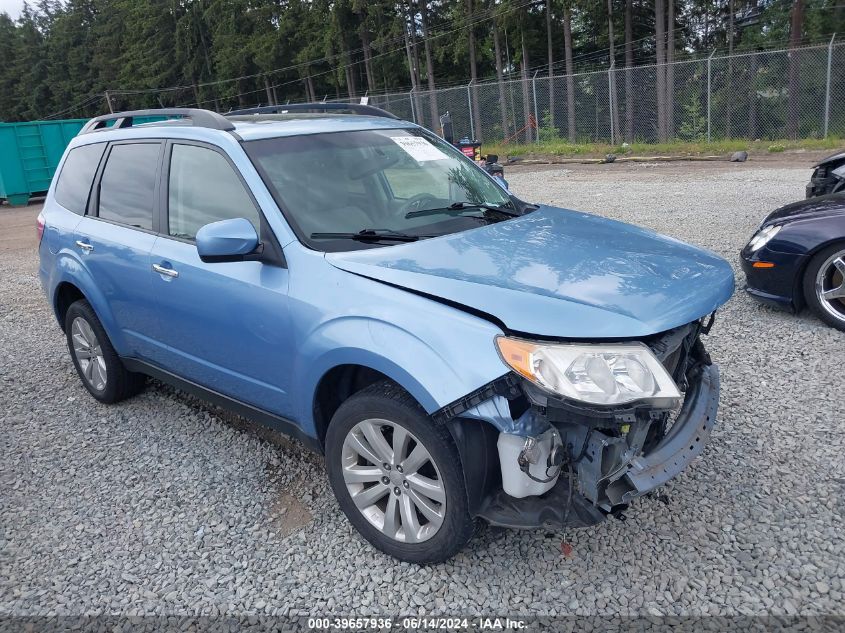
457 208
370 235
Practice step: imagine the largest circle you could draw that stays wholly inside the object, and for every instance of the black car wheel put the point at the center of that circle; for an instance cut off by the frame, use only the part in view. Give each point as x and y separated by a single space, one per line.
824 285
96 362
397 476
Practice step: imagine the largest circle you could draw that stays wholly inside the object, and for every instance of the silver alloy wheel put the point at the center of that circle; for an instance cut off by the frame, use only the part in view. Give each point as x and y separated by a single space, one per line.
830 285
88 353
393 481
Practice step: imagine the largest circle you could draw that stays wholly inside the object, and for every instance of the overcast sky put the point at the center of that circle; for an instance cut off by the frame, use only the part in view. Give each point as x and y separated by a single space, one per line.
12 7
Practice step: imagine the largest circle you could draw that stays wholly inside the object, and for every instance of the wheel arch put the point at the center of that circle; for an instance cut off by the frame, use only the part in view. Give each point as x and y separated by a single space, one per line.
65 295
479 455
341 381
336 386
70 282
798 283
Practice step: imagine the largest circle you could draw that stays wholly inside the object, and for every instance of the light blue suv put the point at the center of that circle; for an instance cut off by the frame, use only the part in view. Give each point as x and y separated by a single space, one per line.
351 279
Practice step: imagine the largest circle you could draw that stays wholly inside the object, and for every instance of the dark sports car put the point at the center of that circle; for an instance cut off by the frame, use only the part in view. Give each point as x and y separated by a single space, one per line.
797 258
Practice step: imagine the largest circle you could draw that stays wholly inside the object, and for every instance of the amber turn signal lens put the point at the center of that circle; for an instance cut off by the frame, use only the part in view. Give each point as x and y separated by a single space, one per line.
517 355
763 265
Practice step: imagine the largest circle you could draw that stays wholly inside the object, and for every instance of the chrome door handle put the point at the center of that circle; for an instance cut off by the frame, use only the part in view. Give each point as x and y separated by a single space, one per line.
161 270
85 246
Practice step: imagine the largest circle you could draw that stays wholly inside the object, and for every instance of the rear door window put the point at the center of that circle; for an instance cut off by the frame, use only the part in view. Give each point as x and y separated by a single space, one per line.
127 187
204 188
74 184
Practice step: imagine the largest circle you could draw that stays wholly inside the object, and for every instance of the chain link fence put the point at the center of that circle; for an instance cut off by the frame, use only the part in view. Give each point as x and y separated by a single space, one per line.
764 95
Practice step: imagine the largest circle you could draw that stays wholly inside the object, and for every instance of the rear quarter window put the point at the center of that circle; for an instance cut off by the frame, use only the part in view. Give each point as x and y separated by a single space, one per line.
74 184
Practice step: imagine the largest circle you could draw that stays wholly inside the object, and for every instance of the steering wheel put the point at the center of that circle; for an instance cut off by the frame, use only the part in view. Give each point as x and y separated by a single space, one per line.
415 203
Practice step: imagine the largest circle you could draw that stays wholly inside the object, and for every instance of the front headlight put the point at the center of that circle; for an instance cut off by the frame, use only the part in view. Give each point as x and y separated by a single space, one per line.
611 374
762 237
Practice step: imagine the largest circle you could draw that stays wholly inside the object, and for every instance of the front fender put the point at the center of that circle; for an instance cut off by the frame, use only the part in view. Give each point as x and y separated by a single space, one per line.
431 378
68 269
381 346
436 352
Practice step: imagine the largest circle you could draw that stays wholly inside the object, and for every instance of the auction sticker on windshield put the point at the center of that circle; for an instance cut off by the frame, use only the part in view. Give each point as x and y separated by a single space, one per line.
419 148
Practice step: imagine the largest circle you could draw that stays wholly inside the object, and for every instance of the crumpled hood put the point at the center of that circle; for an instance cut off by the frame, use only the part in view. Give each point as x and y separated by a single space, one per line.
558 273
833 158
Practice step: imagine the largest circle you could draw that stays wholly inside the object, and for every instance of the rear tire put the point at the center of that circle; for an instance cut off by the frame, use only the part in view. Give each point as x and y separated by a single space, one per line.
824 285
98 365
419 519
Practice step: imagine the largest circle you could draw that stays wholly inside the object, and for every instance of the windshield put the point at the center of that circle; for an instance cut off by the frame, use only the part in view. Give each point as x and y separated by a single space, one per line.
347 190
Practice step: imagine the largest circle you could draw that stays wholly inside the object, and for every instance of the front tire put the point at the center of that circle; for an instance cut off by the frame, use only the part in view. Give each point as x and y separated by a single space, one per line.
824 285
397 476
98 365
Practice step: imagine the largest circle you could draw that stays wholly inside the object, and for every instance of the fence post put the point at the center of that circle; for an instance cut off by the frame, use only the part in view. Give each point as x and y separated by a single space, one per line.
411 99
708 94
536 119
610 101
827 91
471 134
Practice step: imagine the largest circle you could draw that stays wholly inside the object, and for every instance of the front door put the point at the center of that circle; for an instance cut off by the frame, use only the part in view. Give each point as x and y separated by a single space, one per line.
224 326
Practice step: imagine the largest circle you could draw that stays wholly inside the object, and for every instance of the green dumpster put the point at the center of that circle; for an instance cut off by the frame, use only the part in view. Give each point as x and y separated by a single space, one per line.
29 154
31 151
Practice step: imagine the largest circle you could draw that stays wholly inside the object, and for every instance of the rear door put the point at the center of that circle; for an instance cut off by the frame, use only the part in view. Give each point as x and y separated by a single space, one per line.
223 325
116 236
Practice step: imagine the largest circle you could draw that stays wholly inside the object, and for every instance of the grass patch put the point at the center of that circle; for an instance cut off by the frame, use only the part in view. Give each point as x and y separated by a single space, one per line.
564 148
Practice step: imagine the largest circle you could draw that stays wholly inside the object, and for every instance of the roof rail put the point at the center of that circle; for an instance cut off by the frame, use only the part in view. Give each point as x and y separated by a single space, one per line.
199 118
356 108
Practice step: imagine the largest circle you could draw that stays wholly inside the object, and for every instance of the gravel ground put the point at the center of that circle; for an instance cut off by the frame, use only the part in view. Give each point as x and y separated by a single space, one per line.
162 505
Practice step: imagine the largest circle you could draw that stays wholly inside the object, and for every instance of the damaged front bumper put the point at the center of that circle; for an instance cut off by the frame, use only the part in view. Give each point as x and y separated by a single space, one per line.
617 468
610 456
684 441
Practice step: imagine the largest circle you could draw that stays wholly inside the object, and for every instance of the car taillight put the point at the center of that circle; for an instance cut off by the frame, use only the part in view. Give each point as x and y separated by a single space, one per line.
40 227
